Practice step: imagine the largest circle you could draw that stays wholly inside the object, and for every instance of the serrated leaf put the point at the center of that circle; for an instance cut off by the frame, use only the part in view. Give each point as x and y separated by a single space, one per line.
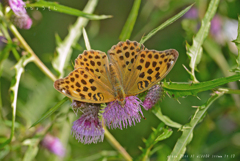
157 135
186 137
51 111
166 120
53 6
183 89
128 27
19 68
64 49
195 51
165 24
166 134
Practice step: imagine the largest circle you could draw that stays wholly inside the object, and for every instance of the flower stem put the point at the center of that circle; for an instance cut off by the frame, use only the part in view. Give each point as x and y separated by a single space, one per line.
36 60
116 144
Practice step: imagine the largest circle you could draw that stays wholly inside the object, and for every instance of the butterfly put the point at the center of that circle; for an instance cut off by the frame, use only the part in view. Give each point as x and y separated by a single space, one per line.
128 69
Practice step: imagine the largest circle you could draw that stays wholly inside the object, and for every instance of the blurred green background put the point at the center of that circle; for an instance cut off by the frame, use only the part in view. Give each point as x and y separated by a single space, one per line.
219 131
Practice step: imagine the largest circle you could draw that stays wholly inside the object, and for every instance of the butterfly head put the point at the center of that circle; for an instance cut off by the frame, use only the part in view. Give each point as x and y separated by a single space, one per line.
122 102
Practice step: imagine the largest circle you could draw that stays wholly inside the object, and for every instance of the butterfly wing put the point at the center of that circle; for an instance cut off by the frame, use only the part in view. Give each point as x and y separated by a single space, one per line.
89 82
123 56
82 86
96 62
150 67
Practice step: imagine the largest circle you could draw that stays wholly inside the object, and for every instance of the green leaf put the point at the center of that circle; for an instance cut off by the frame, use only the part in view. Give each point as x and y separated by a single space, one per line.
186 137
64 48
157 135
4 152
166 134
19 68
58 39
195 51
128 27
5 52
183 89
32 149
53 6
165 24
51 111
153 17
166 120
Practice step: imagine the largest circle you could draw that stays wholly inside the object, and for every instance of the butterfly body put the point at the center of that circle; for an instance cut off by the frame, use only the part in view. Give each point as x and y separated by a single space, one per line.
129 69
117 86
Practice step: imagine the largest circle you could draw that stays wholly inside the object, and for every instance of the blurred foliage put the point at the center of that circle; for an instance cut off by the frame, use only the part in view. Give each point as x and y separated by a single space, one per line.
204 125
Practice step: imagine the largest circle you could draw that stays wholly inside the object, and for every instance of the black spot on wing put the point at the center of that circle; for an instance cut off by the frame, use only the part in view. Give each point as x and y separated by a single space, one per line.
140 85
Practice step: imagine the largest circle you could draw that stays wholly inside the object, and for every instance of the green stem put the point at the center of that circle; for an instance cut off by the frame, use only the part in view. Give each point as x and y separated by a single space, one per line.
229 91
7 36
116 144
36 60
15 53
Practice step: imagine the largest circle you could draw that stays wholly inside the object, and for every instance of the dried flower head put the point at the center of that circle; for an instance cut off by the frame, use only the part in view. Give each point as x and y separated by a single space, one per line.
88 128
23 21
153 96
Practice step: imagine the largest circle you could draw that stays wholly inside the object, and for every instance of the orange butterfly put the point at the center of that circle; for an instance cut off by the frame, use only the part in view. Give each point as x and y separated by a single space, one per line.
128 69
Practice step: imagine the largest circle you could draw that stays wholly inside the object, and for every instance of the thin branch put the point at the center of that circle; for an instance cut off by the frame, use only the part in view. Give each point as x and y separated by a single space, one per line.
36 60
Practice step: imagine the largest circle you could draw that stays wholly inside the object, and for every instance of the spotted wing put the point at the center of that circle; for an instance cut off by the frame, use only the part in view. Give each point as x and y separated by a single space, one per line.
82 86
149 68
123 56
96 62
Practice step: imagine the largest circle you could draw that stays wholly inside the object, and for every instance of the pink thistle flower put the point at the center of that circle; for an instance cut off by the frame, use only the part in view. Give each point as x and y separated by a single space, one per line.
88 129
152 97
115 115
21 18
54 145
17 6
